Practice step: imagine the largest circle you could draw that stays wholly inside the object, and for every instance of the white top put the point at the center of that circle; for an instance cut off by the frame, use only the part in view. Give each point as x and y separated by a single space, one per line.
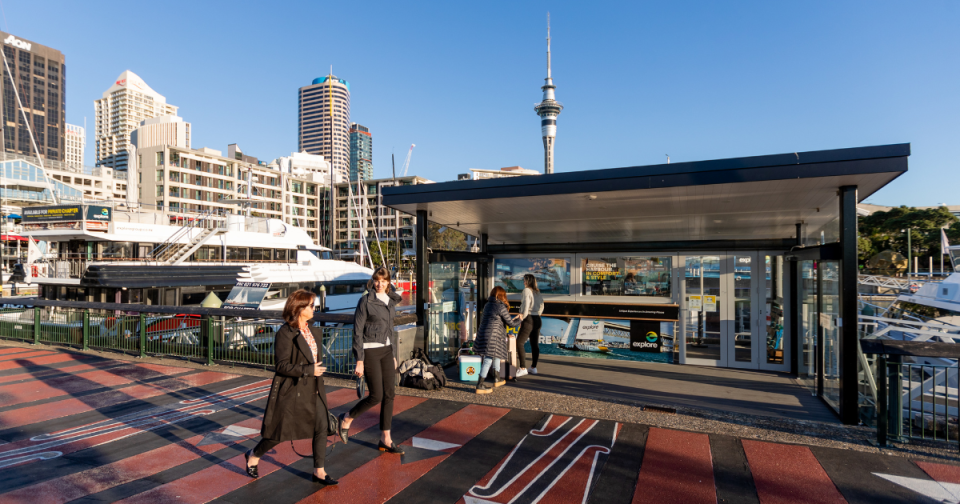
531 302
386 300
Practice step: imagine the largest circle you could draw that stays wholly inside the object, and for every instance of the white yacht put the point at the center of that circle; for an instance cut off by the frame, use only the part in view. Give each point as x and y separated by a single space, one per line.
179 259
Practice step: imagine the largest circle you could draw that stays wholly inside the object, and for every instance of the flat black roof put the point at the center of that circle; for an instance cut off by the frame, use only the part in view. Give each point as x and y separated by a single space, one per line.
757 197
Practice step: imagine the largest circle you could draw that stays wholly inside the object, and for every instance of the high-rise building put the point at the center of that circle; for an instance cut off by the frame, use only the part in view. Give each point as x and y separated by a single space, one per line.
361 153
41 76
163 130
324 121
127 103
548 110
74 141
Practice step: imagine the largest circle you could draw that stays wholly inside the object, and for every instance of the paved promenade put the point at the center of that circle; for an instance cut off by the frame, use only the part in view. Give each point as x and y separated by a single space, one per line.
79 427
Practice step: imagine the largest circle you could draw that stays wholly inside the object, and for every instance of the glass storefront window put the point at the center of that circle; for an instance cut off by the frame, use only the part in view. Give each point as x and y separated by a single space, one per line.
807 290
830 277
626 276
552 274
773 308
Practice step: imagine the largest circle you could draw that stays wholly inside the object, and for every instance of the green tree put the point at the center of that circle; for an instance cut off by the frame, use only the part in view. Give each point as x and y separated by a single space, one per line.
888 230
448 239
389 250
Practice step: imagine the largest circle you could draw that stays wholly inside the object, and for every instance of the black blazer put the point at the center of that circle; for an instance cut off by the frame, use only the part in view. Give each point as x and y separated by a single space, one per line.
373 321
292 406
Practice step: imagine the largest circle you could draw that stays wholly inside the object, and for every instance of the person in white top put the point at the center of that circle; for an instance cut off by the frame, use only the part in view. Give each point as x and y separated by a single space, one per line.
531 307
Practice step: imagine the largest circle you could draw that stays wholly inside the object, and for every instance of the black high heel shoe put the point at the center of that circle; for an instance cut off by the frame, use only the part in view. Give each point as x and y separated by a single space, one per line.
344 431
328 481
393 448
253 472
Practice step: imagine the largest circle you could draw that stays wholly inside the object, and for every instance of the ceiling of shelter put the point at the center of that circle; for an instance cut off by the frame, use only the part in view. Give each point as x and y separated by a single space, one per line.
728 211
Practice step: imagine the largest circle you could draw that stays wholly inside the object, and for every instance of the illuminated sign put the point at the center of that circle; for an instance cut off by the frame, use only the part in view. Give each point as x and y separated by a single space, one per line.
19 44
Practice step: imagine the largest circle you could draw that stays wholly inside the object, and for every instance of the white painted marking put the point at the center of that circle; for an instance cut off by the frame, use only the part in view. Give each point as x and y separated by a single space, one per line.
430 444
474 500
947 493
237 431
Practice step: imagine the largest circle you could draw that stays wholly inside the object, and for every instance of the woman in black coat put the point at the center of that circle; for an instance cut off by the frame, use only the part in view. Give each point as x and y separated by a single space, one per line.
492 337
376 355
297 406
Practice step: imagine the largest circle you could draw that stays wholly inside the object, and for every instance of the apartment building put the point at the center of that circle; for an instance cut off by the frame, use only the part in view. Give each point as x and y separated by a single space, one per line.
88 182
162 130
74 141
365 216
122 109
507 171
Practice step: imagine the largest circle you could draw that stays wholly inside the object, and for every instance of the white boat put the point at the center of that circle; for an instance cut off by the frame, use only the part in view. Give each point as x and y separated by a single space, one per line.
148 258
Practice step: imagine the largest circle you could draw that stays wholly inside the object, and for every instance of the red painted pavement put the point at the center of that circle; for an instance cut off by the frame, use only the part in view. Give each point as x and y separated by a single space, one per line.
29 359
940 472
98 479
10 350
26 355
218 480
385 476
68 385
789 474
677 468
76 368
72 406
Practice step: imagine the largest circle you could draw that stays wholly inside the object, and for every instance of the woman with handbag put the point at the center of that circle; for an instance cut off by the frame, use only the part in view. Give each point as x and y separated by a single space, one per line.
492 337
376 355
297 405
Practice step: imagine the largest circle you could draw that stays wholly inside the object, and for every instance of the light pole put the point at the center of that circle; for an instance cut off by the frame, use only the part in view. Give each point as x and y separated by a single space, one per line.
909 250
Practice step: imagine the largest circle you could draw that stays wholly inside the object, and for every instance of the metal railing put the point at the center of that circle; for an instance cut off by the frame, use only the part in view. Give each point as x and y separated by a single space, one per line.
916 401
199 338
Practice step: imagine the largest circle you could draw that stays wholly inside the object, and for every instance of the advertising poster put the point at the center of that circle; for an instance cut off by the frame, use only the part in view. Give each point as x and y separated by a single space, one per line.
590 329
246 295
645 336
710 303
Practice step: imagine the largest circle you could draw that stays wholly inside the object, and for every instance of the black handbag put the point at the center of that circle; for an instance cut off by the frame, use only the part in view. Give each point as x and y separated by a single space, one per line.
361 387
333 429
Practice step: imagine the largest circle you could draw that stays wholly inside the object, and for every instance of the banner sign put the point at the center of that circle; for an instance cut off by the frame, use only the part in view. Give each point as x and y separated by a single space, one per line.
98 213
645 336
664 312
590 329
246 295
52 213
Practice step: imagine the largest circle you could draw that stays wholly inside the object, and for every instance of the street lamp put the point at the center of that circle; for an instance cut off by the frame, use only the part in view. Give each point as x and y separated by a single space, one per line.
909 250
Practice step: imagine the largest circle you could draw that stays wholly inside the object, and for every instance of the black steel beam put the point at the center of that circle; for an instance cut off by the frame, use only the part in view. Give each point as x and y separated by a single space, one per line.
423 277
458 256
796 331
778 244
825 252
849 283
483 276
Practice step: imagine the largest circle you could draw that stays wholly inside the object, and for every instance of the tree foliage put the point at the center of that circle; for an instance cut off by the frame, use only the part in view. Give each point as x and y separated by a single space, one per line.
448 239
888 230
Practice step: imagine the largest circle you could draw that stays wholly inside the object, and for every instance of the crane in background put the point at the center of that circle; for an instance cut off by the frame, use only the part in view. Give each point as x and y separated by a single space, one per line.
406 162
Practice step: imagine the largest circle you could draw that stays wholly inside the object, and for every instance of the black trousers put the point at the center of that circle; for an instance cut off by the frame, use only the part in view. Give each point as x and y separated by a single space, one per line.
381 377
529 330
319 438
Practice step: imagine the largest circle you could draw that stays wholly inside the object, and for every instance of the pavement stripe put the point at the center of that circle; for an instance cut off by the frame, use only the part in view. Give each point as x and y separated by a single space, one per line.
858 476
618 480
731 471
294 482
55 370
71 406
789 474
28 363
12 350
229 475
940 472
394 473
456 474
75 385
677 467
10 361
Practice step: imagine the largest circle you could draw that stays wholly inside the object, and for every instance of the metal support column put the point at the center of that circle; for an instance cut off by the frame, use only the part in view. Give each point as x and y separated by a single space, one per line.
423 276
143 335
849 376
86 330
796 312
483 278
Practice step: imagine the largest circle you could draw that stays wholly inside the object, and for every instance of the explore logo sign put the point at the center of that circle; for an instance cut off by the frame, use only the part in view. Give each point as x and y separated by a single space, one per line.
645 336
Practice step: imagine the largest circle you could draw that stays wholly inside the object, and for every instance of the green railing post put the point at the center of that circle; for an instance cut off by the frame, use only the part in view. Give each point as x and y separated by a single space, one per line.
143 335
208 321
86 330
36 325
882 399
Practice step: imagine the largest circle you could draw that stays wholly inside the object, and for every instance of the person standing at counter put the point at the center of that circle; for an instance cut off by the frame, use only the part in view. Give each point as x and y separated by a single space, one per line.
491 341
375 354
531 307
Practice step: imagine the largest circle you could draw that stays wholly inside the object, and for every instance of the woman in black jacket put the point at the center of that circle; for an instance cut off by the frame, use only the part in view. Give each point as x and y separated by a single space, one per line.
376 355
492 337
297 405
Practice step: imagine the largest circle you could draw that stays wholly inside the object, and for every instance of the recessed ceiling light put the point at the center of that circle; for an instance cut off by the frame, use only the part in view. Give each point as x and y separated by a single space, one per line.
592 197
717 221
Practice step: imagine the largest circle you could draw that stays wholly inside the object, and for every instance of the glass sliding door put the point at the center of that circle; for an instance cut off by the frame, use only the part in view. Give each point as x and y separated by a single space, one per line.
809 313
701 309
829 316
775 295
740 336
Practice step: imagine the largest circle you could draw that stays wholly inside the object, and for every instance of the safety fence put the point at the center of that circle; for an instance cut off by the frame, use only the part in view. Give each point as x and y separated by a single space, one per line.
207 339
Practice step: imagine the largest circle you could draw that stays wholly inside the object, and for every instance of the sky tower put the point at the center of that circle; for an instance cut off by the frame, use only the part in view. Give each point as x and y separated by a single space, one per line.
548 110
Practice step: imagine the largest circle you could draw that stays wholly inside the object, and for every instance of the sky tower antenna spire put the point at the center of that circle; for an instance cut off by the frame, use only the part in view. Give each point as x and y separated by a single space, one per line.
548 110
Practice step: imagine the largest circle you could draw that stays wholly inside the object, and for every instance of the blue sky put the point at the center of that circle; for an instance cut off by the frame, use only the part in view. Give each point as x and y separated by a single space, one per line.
639 80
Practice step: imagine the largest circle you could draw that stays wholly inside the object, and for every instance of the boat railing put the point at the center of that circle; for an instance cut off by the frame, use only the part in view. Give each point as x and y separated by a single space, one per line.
207 335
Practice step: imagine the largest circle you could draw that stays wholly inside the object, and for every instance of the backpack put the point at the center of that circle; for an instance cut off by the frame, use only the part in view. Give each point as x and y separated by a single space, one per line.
420 373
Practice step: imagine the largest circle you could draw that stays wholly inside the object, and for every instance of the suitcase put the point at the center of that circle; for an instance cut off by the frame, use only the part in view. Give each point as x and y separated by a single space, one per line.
508 368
